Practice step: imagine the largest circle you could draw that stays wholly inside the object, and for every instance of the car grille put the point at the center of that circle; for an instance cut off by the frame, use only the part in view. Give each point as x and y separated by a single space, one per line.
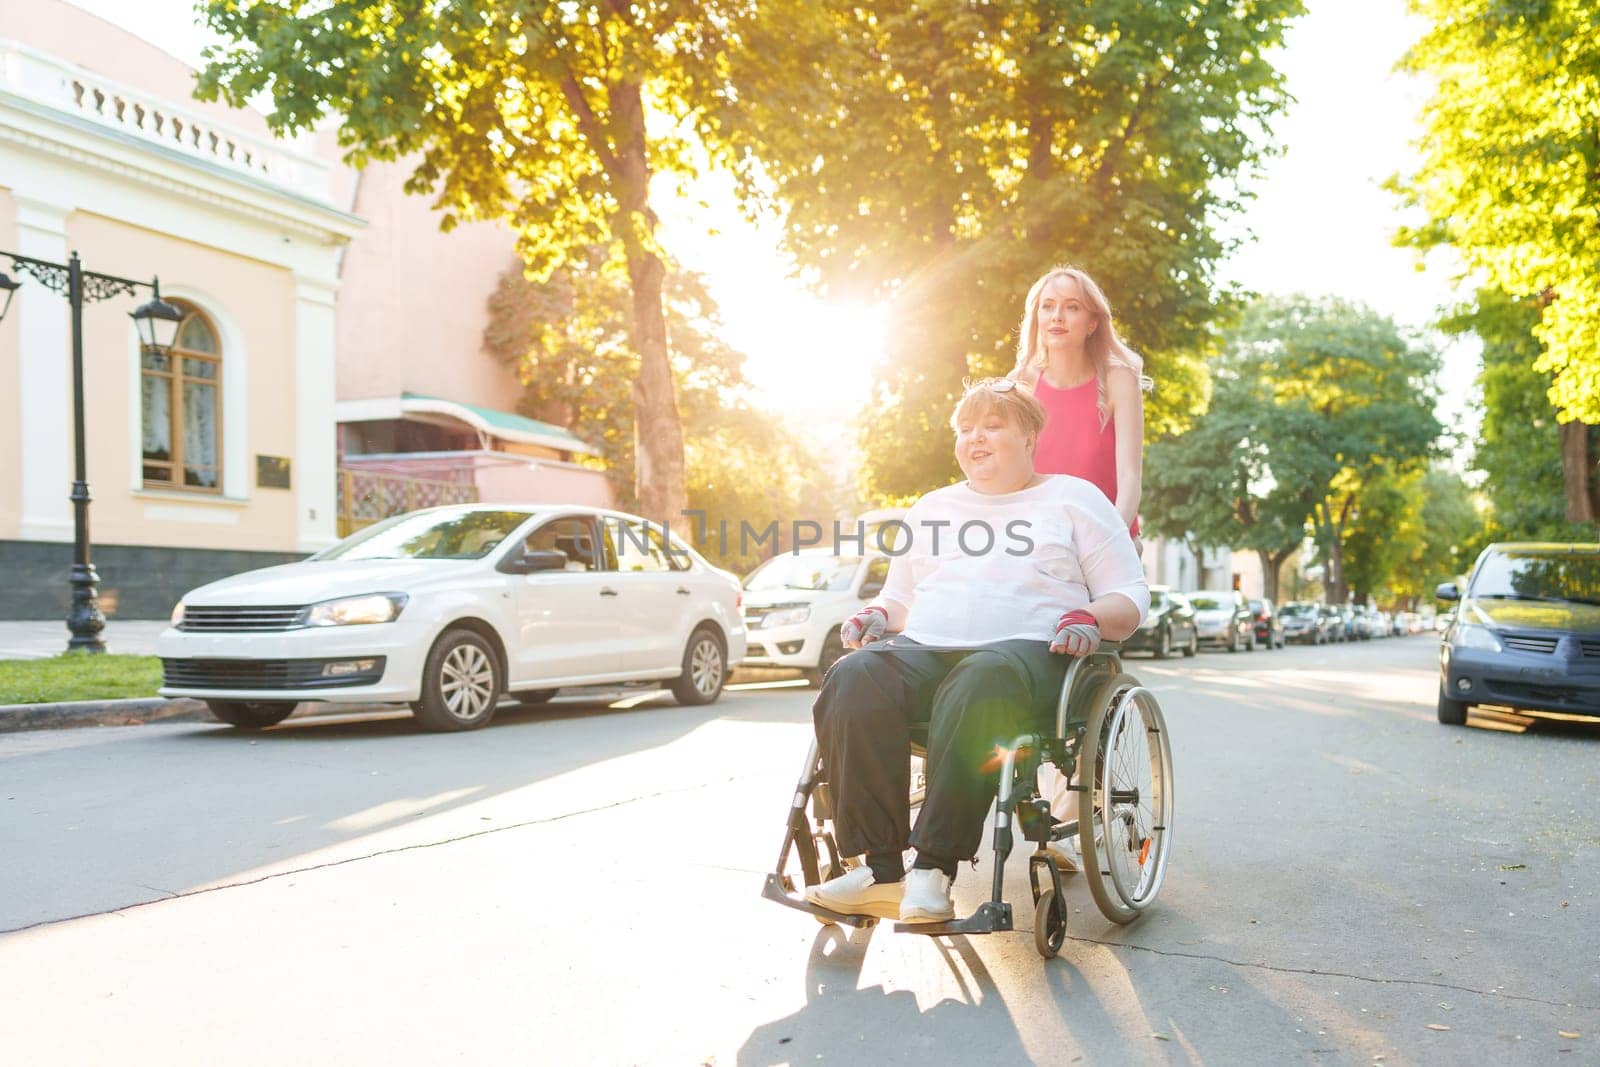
755 651
1544 645
1591 649
263 673
240 619
1555 694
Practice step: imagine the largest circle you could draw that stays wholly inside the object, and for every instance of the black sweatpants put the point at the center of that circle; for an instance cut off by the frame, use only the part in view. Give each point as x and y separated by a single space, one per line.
975 701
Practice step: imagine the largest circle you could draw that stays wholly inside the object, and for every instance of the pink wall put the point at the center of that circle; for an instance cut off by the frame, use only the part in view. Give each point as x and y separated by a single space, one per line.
544 484
501 479
413 302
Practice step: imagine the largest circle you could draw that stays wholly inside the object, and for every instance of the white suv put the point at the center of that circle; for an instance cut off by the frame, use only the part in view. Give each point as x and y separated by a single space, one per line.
795 603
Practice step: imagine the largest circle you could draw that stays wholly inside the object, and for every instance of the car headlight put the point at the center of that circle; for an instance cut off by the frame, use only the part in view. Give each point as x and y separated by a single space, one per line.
177 615
357 610
1471 635
788 616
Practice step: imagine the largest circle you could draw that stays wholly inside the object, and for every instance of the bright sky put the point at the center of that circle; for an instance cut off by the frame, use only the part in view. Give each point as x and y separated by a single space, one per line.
1322 224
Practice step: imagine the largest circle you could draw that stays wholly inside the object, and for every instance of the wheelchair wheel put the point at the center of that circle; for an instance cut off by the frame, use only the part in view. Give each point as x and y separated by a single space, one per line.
1049 924
1125 813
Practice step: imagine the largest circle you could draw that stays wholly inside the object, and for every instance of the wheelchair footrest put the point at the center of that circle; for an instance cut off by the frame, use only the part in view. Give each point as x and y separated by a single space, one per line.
990 918
773 890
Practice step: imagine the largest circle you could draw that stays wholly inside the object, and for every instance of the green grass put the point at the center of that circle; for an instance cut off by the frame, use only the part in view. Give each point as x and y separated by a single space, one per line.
78 676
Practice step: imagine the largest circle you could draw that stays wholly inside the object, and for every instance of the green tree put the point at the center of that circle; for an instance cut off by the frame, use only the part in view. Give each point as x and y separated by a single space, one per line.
567 339
529 112
941 154
1316 403
1521 446
1510 168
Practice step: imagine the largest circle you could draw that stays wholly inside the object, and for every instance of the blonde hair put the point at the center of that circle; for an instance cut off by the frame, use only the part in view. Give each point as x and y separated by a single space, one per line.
1103 347
1016 405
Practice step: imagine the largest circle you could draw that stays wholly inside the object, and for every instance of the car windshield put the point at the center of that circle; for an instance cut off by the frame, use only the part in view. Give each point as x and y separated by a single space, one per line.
819 572
430 535
1539 576
1157 598
1298 609
1211 602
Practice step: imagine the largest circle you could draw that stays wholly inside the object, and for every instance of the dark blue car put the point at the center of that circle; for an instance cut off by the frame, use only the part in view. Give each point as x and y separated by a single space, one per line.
1526 633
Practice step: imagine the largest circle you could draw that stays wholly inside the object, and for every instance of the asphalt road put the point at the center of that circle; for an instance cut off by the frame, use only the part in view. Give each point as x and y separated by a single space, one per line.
1351 883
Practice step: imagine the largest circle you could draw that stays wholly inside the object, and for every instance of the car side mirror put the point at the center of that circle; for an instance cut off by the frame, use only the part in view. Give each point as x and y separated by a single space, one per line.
870 589
532 562
1447 591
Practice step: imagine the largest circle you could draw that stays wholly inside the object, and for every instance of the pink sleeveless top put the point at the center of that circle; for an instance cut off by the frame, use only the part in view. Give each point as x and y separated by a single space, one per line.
1072 441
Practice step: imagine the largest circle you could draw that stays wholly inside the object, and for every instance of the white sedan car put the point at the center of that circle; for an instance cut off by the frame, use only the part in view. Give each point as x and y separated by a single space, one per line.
449 609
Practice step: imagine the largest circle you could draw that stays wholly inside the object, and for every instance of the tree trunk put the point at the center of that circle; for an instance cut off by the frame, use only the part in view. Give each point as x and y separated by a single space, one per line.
1271 568
1577 471
659 480
1338 592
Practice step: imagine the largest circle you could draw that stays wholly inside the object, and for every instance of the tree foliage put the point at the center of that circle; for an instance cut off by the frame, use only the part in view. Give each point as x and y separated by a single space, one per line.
531 112
1510 169
1519 445
1317 404
567 339
941 154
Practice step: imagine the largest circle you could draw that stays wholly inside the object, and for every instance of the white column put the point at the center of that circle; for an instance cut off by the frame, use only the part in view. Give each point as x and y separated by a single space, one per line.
316 454
44 376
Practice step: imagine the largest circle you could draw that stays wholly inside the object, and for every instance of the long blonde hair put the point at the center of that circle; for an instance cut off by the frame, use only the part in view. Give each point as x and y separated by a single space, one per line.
1103 347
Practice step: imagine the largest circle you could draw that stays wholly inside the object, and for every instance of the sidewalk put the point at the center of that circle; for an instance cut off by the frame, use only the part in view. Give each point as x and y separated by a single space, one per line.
36 640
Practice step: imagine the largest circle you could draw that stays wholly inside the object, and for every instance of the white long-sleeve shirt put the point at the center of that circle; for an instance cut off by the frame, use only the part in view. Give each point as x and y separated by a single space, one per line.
980 567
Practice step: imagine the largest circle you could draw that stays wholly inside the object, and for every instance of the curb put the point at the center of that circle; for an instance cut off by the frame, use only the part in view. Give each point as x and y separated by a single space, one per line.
15 718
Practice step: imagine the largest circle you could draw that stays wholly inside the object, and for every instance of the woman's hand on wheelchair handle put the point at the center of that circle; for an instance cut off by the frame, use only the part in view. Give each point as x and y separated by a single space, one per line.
865 627
1077 633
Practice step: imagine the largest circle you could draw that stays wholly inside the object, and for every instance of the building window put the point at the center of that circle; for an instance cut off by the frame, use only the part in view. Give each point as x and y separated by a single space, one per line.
181 408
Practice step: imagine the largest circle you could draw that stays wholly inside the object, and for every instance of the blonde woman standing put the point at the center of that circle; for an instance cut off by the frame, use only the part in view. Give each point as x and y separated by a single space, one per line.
1091 387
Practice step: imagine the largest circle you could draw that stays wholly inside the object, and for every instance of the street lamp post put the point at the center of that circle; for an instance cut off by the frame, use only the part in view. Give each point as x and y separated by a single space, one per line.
157 322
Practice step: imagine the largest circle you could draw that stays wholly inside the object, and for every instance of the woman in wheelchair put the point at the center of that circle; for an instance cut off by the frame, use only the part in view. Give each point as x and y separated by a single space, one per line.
1001 580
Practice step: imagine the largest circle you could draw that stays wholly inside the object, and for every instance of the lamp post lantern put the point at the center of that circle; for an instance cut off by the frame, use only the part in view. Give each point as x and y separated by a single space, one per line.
157 322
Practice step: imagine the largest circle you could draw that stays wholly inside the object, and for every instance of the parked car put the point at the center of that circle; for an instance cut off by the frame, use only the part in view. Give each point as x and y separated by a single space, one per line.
1526 633
1366 623
1223 618
1269 627
1169 626
795 603
451 608
1304 622
1333 619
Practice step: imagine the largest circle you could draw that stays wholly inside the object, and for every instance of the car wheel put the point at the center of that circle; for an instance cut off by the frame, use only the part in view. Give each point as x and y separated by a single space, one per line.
833 651
704 669
1193 647
1452 712
532 698
461 683
251 714
1164 644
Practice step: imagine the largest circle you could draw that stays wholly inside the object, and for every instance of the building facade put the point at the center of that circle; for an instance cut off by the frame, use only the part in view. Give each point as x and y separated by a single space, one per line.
310 333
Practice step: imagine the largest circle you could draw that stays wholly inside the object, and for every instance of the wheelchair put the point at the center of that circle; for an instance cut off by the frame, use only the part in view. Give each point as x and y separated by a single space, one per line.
1110 742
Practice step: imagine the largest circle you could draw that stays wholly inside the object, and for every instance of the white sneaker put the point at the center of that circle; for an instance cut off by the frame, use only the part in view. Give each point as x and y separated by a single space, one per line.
927 897
857 892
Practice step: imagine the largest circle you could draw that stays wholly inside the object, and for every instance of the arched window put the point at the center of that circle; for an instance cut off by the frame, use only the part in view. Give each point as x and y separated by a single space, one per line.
181 408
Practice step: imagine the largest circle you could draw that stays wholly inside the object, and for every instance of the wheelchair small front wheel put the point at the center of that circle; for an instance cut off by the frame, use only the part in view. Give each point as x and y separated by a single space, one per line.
1049 924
